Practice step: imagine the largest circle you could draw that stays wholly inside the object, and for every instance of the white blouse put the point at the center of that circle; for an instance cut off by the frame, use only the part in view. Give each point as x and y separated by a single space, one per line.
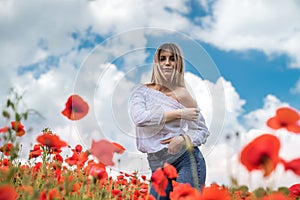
147 107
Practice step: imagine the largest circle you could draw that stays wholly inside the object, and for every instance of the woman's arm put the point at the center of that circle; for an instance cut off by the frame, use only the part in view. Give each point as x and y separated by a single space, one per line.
191 111
197 130
185 98
142 116
185 113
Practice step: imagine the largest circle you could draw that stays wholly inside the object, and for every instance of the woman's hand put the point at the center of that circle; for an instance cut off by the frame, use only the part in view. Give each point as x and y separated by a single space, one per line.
191 114
175 144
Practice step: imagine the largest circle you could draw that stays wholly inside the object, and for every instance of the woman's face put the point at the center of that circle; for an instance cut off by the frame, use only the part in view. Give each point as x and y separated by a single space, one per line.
167 63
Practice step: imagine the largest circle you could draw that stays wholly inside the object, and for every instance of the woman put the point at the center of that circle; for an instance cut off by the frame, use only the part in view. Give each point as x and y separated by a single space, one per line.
167 118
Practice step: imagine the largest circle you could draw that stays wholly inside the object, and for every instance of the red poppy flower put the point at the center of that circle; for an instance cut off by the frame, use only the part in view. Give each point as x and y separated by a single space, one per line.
26 189
99 171
116 193
18 127
76 108
4 166
57 157
58 172
36 152
7 148
4 162
161 176
294 191
104 150
54 194
293 165
78 148
37 167
55 150
159 182
43 195
261 154
285 118
77 159
4 129
183 191
120 177
83 157
170 171
144 188
73 159
242 194
215 192
134 181
51 140
76 188
149 197
8 192
275 196
144 177
119 148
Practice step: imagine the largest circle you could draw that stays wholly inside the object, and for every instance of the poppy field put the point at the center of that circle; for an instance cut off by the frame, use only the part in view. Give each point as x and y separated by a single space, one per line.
48 175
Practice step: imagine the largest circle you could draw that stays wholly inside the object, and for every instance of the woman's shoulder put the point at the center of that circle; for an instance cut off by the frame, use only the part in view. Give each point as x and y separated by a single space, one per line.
184 97
150 85
142 88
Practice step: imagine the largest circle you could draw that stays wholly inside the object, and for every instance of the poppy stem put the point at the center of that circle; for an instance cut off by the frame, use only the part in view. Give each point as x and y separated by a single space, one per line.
194 169
190 149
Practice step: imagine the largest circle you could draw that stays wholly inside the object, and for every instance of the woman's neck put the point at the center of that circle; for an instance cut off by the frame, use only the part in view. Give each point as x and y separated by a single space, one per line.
162 88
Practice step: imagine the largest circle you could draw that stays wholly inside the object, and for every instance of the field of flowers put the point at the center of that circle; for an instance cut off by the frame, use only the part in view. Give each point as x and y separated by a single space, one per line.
47 175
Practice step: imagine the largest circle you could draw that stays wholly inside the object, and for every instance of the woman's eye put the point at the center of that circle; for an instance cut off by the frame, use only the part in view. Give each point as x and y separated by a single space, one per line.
172 58
162 58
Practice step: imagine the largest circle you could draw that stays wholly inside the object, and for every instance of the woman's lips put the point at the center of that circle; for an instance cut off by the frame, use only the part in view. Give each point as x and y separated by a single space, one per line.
167 69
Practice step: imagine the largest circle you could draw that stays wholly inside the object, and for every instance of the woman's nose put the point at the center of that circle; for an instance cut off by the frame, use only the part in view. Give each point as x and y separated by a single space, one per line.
167 61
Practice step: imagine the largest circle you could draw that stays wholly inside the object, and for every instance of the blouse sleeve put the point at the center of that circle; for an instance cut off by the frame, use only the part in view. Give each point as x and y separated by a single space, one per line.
197 131
140 114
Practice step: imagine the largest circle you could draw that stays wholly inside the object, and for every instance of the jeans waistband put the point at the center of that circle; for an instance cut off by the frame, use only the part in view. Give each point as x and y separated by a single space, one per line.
159 153
158 159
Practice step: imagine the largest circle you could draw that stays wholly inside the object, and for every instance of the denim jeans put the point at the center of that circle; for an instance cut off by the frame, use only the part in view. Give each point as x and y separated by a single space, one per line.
186 165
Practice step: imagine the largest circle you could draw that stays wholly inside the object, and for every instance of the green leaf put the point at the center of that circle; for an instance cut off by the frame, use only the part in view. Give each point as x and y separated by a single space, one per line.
259 192
11 104
25 115
243 188
233 181
283 190
6 114
18 117
8 103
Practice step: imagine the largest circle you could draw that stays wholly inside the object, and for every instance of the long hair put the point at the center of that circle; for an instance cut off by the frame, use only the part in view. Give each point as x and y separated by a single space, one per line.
177 78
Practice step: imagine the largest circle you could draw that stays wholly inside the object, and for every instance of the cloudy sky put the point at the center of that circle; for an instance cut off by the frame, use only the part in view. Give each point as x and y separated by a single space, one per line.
242 63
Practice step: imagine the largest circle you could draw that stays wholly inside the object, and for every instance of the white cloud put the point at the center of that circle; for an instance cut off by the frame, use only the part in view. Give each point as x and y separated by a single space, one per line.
119 16
220 104
296 88
25 24
271 27
30 22
257 118
205 4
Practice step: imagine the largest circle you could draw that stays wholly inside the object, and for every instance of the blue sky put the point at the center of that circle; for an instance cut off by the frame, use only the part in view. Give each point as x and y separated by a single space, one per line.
254 75
52 49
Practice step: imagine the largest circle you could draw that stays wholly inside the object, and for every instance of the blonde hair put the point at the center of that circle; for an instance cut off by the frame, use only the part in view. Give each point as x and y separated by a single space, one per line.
177 78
